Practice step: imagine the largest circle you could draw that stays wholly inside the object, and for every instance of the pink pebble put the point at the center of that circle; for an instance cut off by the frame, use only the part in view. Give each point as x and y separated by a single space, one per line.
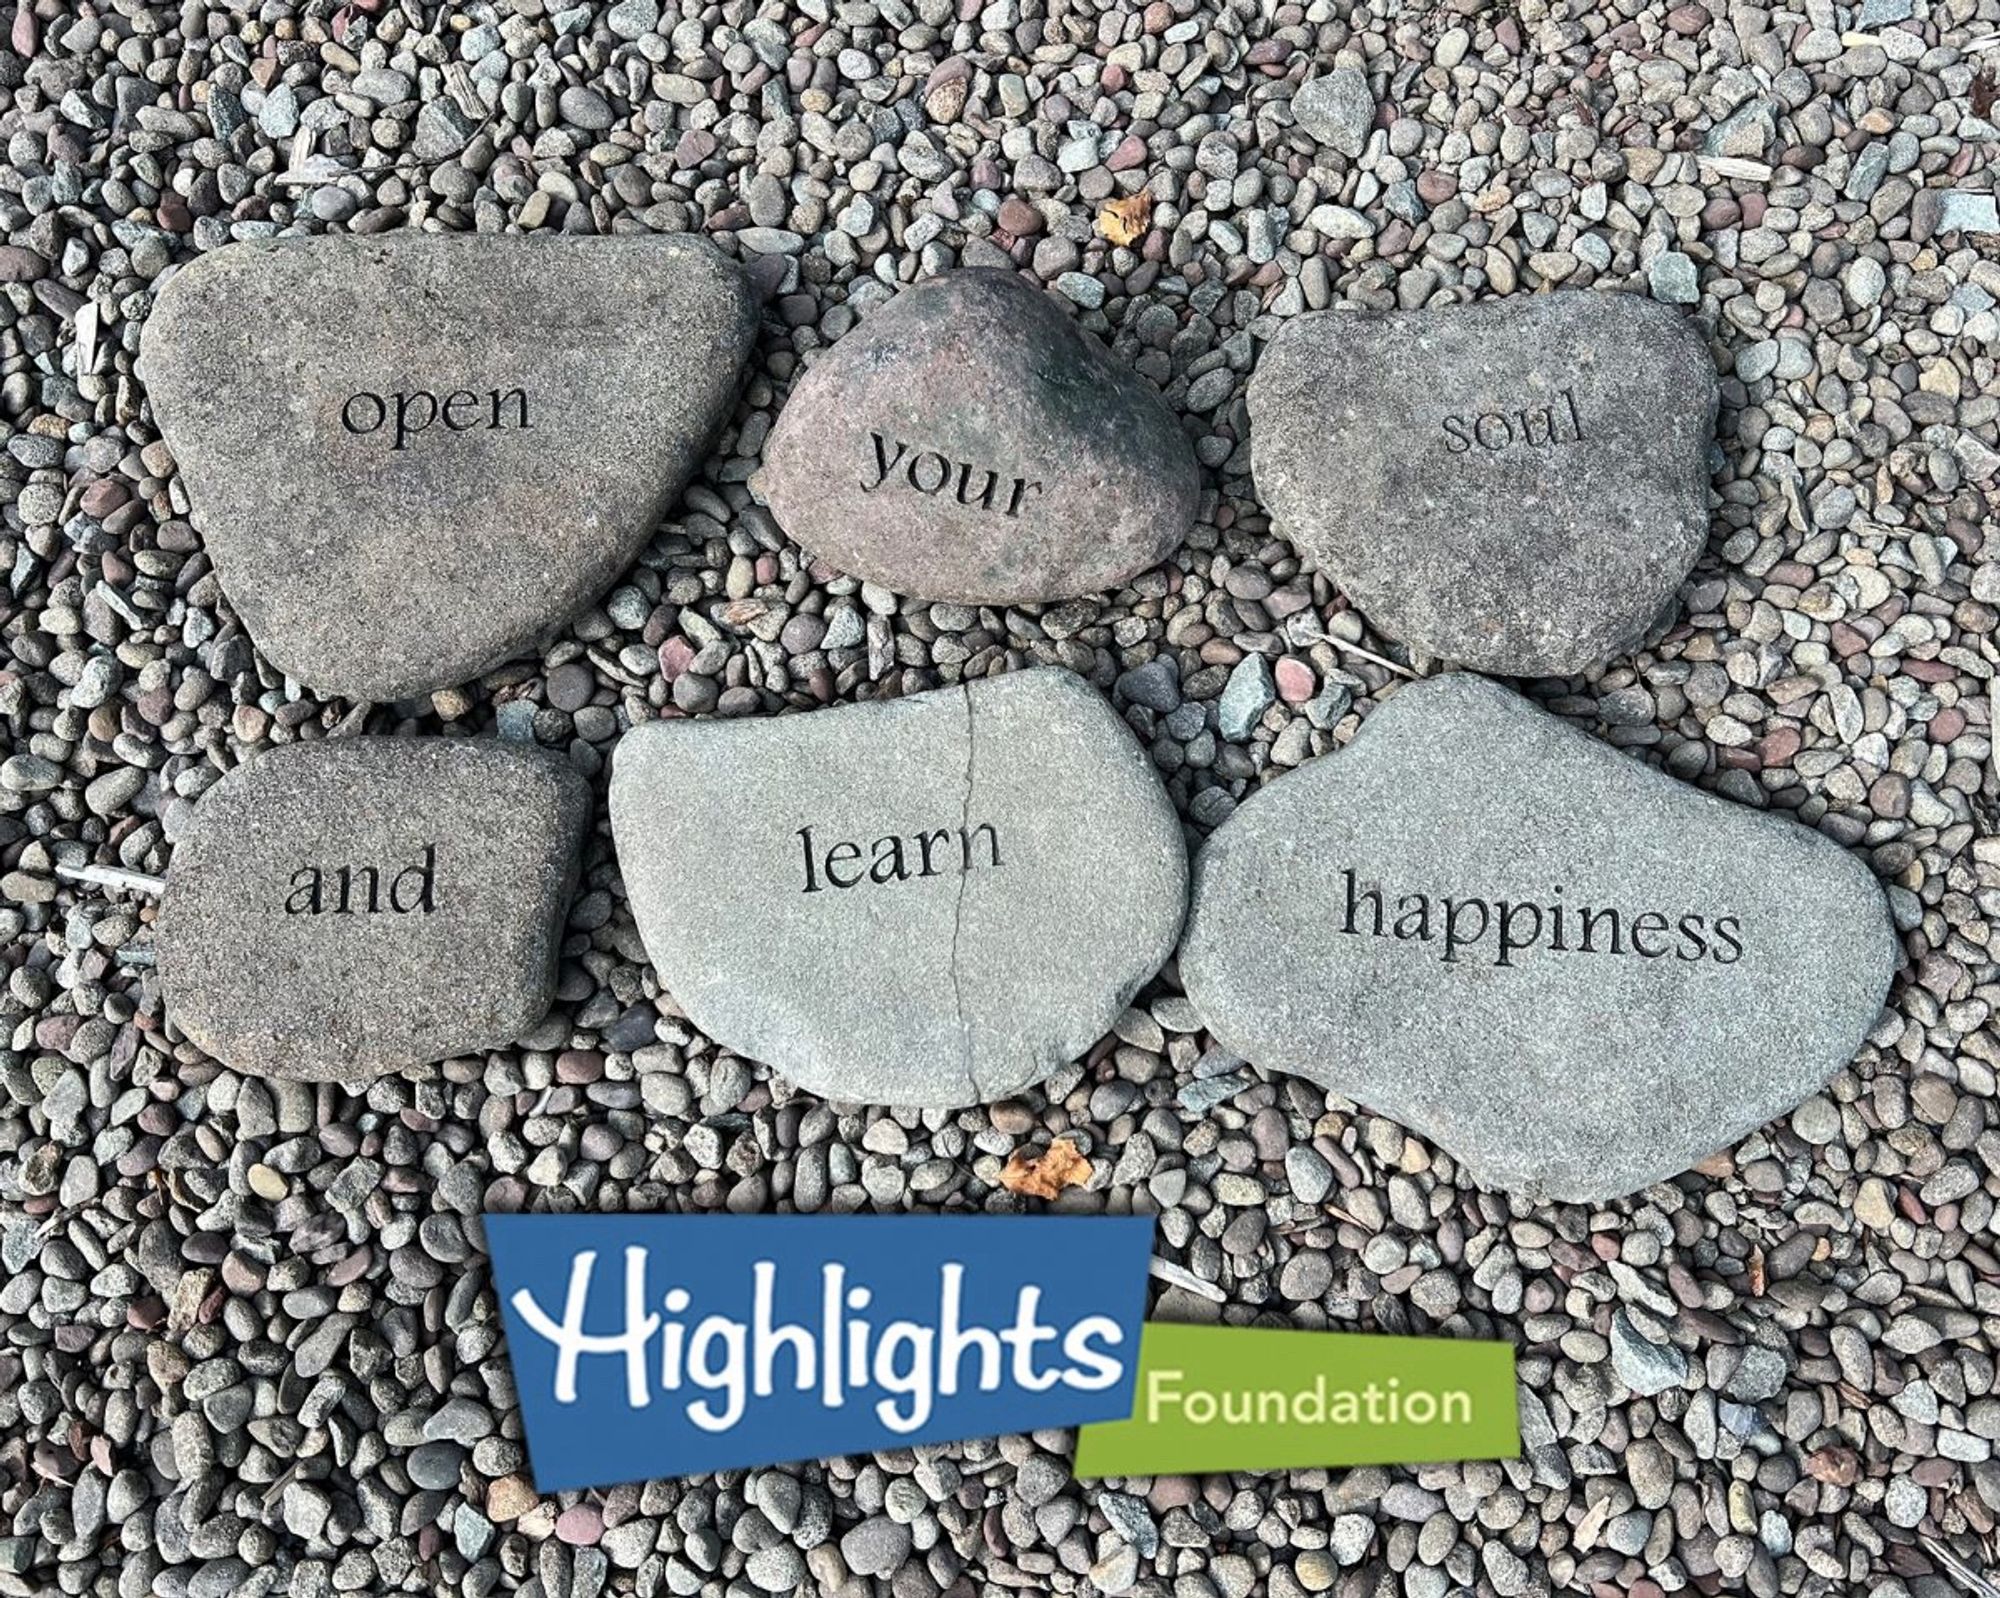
1296 683
1131 152
580 1527
676 655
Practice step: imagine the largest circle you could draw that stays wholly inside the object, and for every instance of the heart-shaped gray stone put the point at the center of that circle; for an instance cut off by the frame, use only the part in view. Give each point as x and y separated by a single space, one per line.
1576 974
412 456
339 909
936 900
1518 485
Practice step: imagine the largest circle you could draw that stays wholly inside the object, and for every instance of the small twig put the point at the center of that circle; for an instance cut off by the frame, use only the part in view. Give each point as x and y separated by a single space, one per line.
1735 166
1993 720
1180 1276
1381 660
115 878
308 176
1958 1569
277 1488
1367 654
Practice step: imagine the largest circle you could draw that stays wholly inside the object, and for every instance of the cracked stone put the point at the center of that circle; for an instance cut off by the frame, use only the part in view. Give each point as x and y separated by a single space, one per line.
1968 211
1672 279
898 919
1745 132
442 131
1337 108
452 491
1645 1366
968 441
343 908
1248 694
1583 976
1516 485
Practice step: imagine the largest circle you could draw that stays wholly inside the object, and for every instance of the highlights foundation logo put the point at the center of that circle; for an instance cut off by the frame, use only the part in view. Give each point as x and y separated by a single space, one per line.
650 1345
1261 1398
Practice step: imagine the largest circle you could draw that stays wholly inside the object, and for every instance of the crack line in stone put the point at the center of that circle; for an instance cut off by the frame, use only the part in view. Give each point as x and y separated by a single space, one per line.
958 906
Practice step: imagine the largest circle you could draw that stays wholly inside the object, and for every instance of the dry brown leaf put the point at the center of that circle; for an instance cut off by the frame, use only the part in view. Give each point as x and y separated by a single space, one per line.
1045 1175
1125 221
1985 92
1838 1467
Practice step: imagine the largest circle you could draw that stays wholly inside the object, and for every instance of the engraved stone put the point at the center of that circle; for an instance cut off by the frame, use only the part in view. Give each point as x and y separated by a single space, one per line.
1518 485
412 456
969 442
932 901
339 909
1576 974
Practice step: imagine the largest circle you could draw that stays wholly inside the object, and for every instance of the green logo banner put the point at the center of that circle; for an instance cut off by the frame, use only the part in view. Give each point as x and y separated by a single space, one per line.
1216 1398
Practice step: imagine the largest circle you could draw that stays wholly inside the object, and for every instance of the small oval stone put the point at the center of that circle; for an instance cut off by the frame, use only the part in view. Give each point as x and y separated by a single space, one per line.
970 442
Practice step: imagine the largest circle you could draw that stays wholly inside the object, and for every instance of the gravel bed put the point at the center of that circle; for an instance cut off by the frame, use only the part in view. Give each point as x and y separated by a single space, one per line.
248 1343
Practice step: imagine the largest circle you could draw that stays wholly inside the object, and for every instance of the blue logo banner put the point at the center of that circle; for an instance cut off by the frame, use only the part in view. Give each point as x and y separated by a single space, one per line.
670 1345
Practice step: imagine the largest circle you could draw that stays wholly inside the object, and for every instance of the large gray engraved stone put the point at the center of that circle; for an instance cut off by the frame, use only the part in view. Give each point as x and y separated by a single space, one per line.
340 909
412 456
968 441
929 901
1574 973
1519 485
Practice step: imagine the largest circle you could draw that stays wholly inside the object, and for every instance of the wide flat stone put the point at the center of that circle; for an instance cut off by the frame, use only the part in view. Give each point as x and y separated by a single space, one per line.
968 441
340 909
1574 973
411 456
932 901
1518 485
